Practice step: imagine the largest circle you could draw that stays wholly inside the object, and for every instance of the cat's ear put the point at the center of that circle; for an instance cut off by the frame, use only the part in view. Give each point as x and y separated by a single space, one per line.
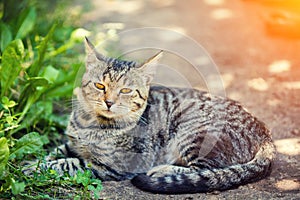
148 68
92 55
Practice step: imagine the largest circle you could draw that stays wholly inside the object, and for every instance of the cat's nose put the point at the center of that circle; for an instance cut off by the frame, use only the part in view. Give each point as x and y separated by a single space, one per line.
109 103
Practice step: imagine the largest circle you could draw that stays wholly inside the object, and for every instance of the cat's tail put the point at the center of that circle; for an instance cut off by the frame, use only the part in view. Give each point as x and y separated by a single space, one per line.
207 180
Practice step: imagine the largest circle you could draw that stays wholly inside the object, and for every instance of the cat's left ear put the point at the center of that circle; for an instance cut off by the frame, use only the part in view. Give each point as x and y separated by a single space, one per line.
148 68
92 56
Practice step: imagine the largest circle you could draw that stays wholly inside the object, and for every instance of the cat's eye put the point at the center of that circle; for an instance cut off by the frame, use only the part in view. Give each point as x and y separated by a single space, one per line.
125 90
99 86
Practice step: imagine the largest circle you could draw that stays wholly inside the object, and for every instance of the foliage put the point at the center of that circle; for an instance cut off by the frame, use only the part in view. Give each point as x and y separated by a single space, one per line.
38 65
88 182
79 186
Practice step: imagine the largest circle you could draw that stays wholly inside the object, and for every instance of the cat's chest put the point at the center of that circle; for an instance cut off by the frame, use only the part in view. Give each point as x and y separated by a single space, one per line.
101 141
103 146
127 151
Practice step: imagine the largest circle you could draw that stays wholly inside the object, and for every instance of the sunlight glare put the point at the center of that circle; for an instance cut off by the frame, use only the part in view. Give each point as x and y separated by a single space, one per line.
227 79
290 146
292 85
221 13
287 184
214 2
124 7
279 66
258 84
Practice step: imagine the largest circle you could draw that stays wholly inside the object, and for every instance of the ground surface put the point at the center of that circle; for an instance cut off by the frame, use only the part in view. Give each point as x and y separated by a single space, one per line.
258 69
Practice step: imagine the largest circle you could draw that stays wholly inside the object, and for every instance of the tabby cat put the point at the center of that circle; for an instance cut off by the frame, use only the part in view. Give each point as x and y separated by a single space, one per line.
166 140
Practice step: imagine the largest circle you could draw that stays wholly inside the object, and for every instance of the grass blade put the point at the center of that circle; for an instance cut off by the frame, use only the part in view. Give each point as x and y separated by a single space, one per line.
37 65
11 65
28 19
6 36
4 154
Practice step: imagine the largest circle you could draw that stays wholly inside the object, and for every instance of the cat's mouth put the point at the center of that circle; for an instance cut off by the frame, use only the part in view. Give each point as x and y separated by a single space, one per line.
108 113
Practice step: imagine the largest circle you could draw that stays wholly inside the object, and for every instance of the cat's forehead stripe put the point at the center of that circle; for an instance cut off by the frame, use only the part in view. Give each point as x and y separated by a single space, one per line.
120 65
116 69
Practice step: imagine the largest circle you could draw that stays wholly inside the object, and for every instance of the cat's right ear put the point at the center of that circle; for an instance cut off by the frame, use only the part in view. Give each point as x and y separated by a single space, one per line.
92 56
148 68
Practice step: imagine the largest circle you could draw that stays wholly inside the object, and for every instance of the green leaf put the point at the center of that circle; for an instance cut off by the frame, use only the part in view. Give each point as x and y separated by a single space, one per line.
32 91
6 103
11 65
50 73
33 84
4 154
11 104
6 36
44 108
17 187
77 197
5 100
28 144
83 178
60 91
64 85
9 119
26 23
38 111
96 189
37 65
91 188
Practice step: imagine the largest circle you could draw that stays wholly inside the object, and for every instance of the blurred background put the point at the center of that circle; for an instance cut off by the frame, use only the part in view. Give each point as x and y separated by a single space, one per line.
253 44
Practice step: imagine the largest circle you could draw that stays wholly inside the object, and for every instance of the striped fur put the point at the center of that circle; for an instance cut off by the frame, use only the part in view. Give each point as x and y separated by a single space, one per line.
167 140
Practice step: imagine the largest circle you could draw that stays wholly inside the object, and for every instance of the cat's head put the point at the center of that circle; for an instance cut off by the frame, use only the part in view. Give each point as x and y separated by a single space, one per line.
115 89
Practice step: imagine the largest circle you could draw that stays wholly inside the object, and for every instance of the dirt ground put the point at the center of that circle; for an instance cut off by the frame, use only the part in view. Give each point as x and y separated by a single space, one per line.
259 65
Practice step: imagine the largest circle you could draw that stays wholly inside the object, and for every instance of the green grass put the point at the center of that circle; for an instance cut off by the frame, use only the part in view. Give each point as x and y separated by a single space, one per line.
39 60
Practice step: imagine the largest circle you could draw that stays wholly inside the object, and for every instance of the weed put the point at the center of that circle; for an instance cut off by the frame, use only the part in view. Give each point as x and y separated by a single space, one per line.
37 70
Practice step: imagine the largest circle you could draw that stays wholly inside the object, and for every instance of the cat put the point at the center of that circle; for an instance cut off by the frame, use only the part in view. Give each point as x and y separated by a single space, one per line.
166 140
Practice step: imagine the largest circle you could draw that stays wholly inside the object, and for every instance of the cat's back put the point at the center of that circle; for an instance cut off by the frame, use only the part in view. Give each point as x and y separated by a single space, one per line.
197 103
194 116
184 102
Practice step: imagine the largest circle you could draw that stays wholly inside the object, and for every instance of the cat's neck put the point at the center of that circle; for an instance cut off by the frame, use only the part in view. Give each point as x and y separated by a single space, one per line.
108 123
88 120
